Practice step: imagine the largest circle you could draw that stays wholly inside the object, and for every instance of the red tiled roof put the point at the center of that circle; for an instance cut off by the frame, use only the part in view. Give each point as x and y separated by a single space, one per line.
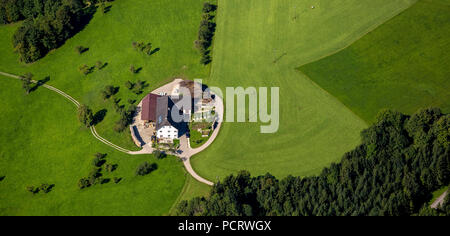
149 107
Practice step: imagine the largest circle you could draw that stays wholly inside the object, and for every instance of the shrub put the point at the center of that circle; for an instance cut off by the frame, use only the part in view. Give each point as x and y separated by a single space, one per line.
118 108
32 189
26 82
99 65
126 118
95 176
110 167
98 161
109 91
117 180
206 59
208 7
159 155
100 155
129 85
80 49
85 115
46 188
145 168
138 87
143 47
83 183
85 69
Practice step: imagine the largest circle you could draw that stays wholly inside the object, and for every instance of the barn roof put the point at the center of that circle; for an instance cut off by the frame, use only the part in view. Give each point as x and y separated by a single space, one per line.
149 107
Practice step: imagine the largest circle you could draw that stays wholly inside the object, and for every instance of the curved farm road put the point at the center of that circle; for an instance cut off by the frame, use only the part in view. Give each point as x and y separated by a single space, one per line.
77 104
187 151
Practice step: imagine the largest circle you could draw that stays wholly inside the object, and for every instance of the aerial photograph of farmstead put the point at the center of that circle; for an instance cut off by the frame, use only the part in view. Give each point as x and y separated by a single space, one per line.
247 108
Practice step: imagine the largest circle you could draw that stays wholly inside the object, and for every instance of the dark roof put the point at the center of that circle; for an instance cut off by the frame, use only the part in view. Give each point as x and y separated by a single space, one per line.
162 110
155 108
149 107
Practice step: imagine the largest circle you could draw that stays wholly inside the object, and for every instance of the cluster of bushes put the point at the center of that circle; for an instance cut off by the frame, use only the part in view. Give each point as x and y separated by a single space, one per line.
126 115
80 49
85 116
85 69
26 82
133 69
109 91
45 188
137 87
401 161
206 32
143 47
47 24
146 168
126 118
96 176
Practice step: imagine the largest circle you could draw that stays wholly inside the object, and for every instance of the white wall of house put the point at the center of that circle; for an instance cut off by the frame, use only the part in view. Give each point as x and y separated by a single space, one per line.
169 132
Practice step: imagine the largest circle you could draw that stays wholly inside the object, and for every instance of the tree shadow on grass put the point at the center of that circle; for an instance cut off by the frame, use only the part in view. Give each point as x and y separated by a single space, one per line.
99 116
155 51
103 66
107 9
39 83
83 50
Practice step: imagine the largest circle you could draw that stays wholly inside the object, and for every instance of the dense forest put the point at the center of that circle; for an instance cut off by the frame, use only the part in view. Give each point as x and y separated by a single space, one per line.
47 24
401 160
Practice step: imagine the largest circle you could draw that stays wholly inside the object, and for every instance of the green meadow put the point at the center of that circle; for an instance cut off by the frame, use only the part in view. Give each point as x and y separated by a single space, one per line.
260 43
170 26
41 139
41 142
404 64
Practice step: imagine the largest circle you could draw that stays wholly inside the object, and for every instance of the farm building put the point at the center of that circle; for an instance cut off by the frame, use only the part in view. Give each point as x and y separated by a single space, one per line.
155 112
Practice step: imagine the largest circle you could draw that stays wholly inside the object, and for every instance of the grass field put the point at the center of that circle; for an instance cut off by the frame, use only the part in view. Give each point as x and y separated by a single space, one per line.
41 139
42 143
260 43
404 64
170 26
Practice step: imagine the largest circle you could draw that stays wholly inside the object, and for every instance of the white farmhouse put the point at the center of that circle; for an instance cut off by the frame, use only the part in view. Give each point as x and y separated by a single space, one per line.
156 110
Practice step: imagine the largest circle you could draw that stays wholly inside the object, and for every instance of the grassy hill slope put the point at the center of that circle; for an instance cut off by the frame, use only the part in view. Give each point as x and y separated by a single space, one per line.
259 43
171 27
404 64
41 140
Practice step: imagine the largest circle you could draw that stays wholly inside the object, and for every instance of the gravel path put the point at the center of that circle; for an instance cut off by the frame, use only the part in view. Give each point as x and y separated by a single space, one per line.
439 201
